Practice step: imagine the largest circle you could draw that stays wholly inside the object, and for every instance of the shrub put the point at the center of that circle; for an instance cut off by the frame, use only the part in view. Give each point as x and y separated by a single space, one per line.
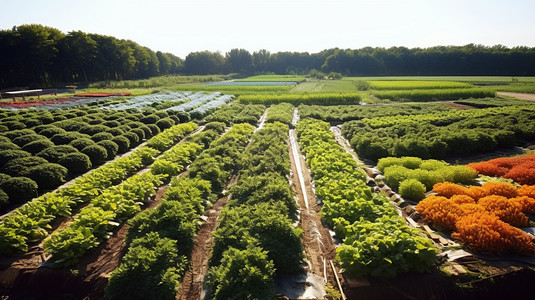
20 166
123 143
111 148
14 125
81 143
146 131
154 129
19 189
31 122
51 131
13 134
101 136
8 146
140 133
4 198
412 189
97 154
48 176
219 127
112 123
76 163
150 119
115 131
25 139
165 123
7 155
53 154
94 129
67 137
161 114
132 137
75 125
38 146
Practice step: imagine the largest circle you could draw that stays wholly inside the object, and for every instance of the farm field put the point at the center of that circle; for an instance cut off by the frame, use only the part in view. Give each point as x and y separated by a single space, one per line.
358 188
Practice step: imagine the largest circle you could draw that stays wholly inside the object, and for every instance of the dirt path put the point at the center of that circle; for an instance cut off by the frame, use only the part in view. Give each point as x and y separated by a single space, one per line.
521 96
262 121
192 283
319 246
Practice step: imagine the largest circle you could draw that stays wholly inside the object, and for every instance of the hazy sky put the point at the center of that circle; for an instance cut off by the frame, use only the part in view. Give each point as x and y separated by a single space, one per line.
184 26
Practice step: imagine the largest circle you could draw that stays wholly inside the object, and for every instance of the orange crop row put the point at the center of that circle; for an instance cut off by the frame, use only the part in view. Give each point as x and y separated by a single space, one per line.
520 169
484 218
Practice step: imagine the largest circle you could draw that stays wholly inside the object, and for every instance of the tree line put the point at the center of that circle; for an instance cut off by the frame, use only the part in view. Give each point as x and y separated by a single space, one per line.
37 55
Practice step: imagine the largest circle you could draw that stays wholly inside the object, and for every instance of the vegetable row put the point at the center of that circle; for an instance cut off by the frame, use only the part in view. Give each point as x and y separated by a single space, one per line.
376 240
160 239
31 222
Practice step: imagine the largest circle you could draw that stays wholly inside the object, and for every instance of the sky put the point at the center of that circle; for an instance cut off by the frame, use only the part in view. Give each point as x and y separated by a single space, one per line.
184 26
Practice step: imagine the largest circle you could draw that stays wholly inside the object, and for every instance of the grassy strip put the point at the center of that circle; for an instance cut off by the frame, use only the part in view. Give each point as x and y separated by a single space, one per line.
296 99
411 85
433 94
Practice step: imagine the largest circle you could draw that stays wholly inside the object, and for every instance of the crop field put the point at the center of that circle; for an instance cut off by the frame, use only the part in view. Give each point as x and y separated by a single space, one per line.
355 188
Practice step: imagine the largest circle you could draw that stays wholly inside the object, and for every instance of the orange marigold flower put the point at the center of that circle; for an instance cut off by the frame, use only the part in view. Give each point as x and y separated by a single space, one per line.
507 211
448 189
500 188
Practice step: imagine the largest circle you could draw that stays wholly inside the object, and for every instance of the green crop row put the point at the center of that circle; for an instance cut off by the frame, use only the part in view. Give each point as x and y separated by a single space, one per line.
160 239
441 135
415 84
343 113
255 231
31 222
115 204
376 240
427 95
282 112
311 99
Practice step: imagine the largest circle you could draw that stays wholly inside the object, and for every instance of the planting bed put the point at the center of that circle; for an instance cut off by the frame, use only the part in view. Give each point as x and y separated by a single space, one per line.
248 202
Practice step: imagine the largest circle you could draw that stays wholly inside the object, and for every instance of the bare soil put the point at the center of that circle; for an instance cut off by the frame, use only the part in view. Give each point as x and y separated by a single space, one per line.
317 241
191 286
521 96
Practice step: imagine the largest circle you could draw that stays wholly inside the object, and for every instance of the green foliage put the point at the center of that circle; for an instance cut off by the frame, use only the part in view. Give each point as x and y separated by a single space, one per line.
165 123
385 248
243 274
412 189
67 137
55 153
81 143
111 148
10 146
76 163
376 240
47 176
122 142
20 166
170 136
282 112
434 94
7 155
25 139
443 134
250 114
151 269
428 172
19 189
310 99
37 146
101 136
